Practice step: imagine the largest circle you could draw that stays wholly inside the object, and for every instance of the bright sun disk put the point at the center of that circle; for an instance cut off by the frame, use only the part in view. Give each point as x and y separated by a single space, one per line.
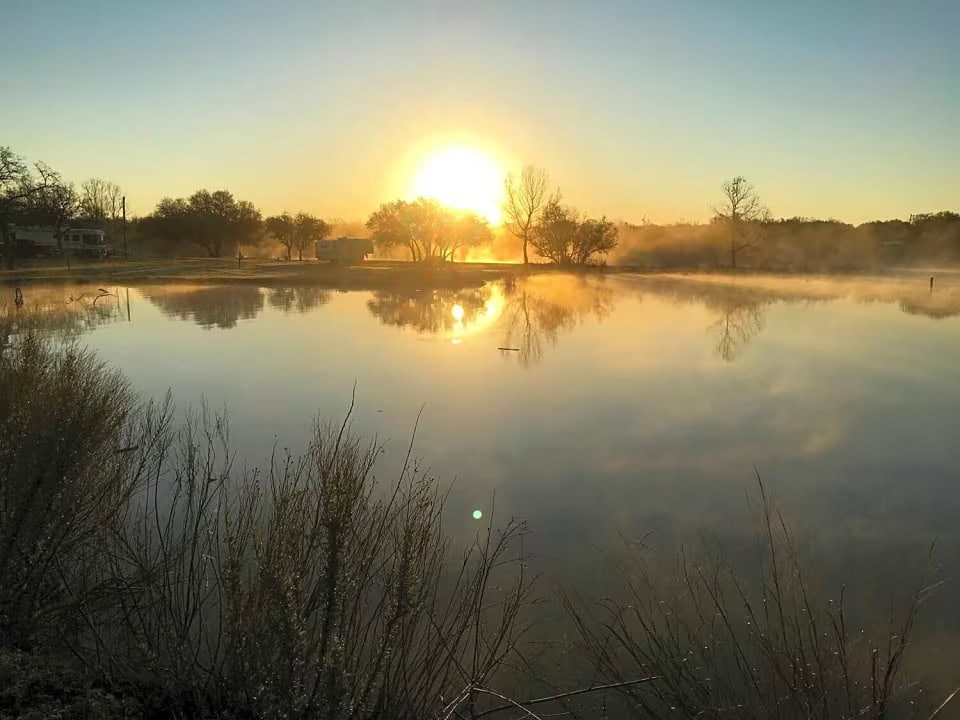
462 178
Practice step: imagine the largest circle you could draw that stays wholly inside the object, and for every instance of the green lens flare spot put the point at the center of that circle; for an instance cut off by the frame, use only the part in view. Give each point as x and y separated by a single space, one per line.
477 514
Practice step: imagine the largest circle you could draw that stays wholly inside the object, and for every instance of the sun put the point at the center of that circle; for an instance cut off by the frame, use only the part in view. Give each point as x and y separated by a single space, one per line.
463 178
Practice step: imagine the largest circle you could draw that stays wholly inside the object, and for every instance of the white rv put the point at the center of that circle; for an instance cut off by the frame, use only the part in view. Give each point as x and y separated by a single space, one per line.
43 241
344 249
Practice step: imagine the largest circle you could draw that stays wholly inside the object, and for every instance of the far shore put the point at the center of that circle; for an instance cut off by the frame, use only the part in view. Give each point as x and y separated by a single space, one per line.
371 275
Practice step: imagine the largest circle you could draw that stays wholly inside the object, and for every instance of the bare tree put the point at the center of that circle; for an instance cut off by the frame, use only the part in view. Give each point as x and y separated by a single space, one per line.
100 200
743 213
524 199
58 204
18 187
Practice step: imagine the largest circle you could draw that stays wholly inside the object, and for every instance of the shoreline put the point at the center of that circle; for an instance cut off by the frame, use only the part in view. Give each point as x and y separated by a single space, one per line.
372 275
266 273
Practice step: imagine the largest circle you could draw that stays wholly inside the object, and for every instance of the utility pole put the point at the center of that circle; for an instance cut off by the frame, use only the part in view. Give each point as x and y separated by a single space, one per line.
123 207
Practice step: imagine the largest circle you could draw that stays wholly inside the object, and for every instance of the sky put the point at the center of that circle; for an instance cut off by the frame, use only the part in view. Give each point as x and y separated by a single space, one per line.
637 108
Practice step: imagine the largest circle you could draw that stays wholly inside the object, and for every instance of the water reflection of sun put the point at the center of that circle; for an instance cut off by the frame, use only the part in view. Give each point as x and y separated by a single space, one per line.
465 325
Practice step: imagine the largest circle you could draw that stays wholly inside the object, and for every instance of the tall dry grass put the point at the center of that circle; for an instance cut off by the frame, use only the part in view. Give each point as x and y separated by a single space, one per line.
310 589
724 644
137 548
70 445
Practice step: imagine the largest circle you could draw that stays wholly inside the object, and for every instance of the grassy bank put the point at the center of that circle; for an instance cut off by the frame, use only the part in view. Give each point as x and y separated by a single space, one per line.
382 274
372 275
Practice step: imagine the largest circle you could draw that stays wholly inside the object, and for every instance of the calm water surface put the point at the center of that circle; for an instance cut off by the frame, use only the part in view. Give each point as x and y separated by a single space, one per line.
624 406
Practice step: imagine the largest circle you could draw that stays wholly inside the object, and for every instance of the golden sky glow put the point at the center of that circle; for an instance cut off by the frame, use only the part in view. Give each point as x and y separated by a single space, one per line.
838 110
461 177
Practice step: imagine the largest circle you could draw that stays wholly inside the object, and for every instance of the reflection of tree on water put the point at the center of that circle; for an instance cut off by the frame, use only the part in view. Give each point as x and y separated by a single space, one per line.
64 314
430 311
300 299
740 319
210 306
740 305
739 310
537 311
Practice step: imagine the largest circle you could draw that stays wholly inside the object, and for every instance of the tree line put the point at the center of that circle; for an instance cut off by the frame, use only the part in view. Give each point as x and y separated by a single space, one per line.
537 223
743 234
218 224
39 195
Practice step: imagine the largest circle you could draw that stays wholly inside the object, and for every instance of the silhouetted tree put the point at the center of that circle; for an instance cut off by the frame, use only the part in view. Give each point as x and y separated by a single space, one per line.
421 226
524 199
171 222
743 214
465 231
282 228
392 227
307 230
214 221
565 239
553 237
19 185
219 220
57 204
594 237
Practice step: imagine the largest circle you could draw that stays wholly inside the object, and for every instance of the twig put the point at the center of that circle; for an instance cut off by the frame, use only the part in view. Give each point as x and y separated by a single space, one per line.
511 703
561 696
944 704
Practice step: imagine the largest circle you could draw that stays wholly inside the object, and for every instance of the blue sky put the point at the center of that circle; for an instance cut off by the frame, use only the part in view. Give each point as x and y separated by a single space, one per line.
845 109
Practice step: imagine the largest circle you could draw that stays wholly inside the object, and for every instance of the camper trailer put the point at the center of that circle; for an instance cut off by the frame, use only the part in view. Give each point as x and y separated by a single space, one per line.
34 241
42 241
344 249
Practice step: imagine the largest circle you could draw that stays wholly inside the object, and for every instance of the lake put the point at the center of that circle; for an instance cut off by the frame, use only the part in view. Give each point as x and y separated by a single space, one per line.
602 408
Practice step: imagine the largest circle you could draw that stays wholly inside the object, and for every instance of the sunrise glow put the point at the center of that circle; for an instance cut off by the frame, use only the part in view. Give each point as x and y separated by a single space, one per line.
463 178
